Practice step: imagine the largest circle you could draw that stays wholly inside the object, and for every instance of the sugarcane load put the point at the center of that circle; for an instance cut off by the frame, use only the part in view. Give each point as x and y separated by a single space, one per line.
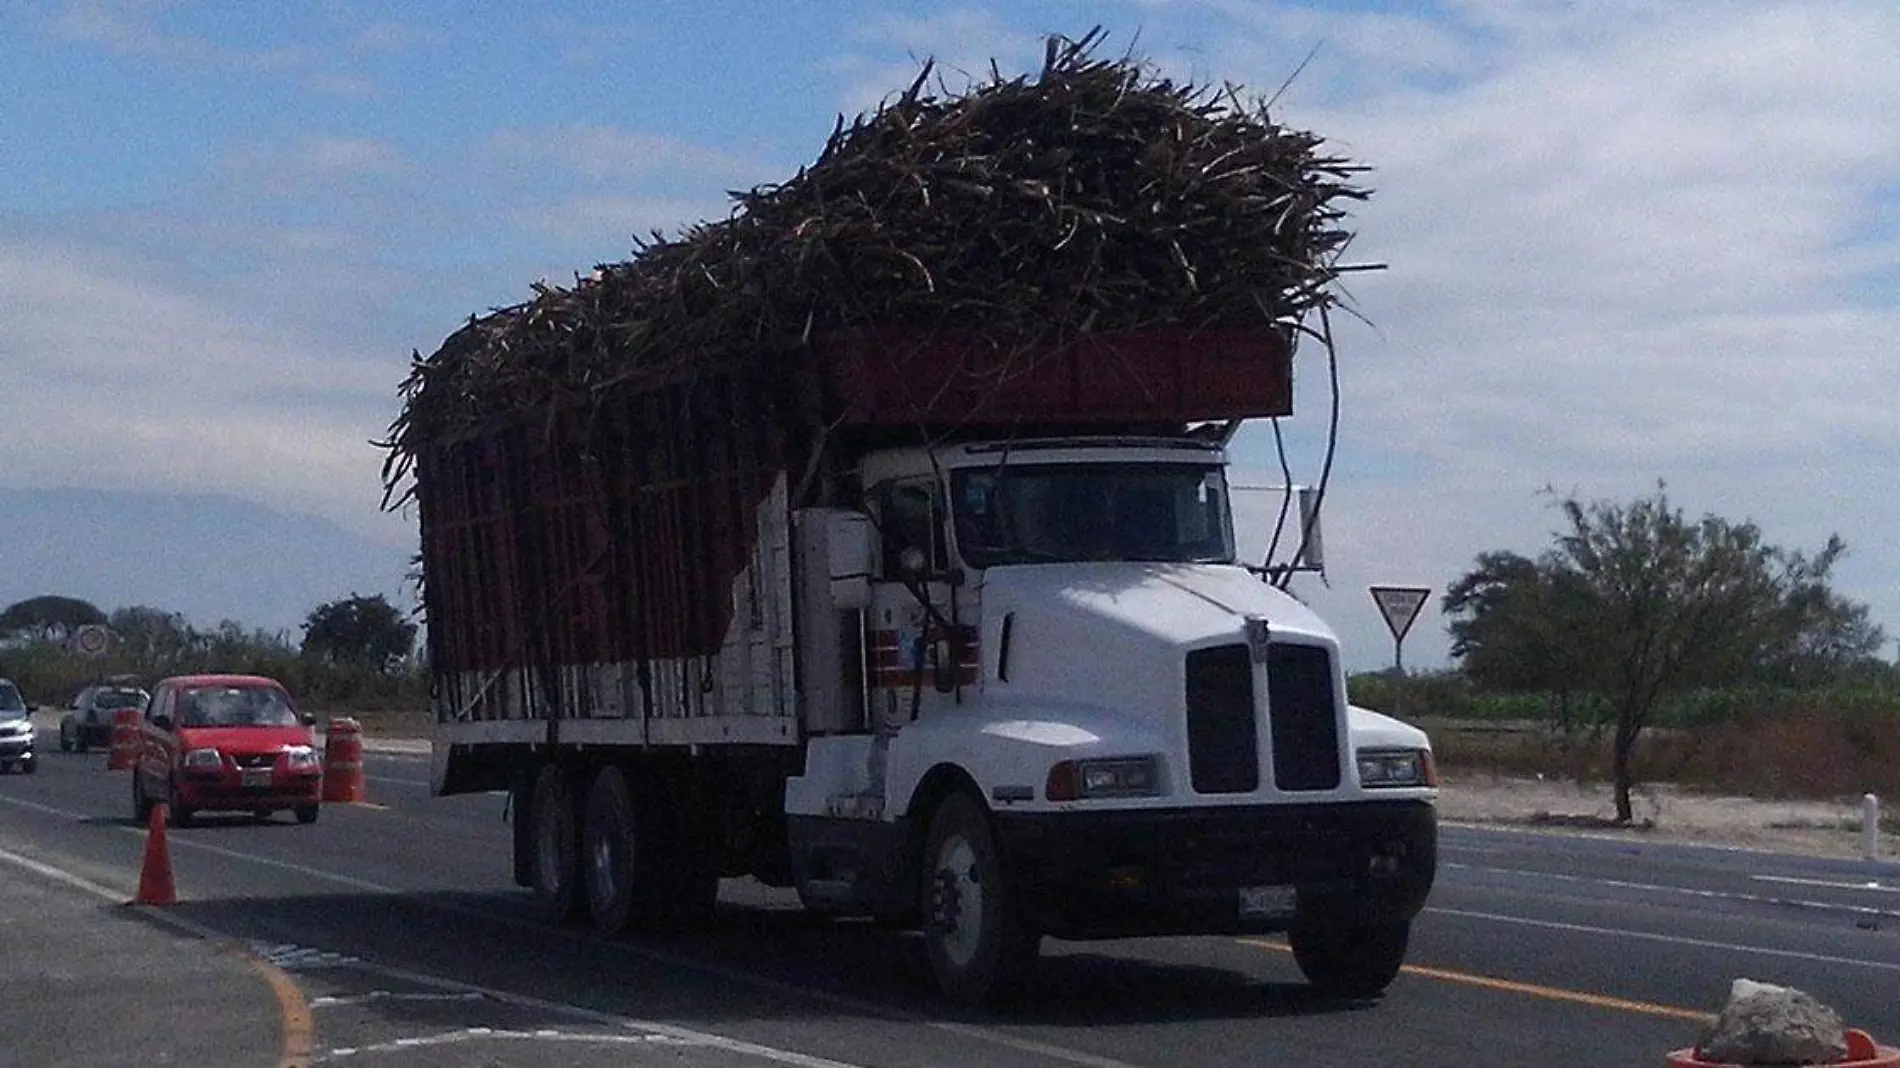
875 542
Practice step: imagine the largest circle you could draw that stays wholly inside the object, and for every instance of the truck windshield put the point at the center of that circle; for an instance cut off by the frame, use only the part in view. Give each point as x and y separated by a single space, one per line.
1045 513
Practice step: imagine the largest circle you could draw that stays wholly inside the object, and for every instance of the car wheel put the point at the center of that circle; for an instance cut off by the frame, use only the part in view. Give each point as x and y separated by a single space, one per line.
1350 962
5 766
65 735
141 804
306 813
30 766
179 815
981 950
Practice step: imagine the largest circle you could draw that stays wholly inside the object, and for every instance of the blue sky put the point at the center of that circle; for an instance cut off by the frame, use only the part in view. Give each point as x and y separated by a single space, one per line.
1627 241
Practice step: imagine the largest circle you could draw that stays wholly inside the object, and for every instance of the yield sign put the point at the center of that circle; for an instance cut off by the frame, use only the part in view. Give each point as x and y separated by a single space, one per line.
1400 606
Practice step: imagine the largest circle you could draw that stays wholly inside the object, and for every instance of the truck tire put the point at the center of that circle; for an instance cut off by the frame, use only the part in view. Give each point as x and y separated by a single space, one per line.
621 863
981 951
554 857
1350 962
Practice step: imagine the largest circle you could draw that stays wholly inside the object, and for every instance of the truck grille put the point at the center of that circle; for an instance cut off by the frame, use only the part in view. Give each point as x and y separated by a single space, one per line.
1301 717
1223 740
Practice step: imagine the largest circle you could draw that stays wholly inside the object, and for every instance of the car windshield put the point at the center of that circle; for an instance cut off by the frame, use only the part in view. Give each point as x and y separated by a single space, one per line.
235 706
12 706
1041 513
119 699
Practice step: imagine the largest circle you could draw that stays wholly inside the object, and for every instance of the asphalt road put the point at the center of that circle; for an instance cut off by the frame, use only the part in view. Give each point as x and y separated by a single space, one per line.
393 929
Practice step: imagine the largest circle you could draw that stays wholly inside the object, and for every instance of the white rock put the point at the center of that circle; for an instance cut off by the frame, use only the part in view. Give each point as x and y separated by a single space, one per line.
1764 1024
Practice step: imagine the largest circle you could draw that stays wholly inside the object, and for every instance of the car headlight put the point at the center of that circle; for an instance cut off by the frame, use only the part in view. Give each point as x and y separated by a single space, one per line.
300 757
1396 767
204 758
1073 780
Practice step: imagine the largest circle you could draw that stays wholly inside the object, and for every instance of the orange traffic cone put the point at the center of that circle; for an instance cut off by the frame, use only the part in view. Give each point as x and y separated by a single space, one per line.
155 876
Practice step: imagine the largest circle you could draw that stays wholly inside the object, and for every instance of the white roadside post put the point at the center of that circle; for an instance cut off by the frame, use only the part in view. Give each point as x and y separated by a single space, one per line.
1399 605
1870 826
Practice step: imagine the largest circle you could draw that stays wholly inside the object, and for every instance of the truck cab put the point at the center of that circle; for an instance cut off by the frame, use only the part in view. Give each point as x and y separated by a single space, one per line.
1063 706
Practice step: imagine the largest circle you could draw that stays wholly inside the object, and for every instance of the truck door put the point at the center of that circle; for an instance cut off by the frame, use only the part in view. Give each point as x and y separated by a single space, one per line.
921 642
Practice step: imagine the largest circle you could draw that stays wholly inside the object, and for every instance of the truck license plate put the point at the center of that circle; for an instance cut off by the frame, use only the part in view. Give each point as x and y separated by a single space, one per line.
1267 902
257 776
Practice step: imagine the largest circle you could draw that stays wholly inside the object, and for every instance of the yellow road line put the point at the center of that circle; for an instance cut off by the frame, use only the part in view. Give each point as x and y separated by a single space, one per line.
1547 993
299 1028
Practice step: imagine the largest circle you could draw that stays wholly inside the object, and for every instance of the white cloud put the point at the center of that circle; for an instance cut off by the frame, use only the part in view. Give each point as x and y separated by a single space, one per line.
1624 247
125 383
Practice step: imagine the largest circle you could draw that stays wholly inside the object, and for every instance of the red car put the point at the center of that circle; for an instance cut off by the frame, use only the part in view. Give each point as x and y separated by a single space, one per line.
232 743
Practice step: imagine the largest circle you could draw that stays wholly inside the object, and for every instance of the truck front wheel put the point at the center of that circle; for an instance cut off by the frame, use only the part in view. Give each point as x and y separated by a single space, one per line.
556 867
619 860
1350 962
981 951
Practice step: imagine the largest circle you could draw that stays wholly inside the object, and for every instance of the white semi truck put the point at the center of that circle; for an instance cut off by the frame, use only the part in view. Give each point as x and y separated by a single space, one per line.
975 660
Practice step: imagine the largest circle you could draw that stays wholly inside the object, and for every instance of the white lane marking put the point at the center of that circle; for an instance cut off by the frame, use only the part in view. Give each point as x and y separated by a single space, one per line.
1674 940
60 875
996 1038
328 1001
1685 891
480 1034
681 1034
424 783
1828 883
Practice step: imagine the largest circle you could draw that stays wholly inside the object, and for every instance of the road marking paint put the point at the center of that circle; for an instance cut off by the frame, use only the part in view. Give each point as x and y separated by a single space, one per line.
1551 993
478 1034
329 1001
423 783
683 1035
1870 884
299 1027
1674 940
1706 895
371 805
1536 990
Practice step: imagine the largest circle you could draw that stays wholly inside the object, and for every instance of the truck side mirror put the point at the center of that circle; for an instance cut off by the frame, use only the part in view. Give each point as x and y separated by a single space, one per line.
848 547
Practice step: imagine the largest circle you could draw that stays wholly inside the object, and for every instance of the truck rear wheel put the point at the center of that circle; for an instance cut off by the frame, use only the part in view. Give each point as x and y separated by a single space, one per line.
981 951
555 861
620 861
1350 962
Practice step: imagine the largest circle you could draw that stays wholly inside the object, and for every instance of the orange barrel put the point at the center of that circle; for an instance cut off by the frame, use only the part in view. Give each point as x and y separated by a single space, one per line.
343 761
123 752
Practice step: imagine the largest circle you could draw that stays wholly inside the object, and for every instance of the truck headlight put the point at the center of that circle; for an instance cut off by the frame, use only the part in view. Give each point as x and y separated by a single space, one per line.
1073 780
204 758
300 757
1396 767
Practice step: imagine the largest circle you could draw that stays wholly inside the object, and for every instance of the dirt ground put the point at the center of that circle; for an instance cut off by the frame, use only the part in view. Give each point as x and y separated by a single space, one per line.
1663 813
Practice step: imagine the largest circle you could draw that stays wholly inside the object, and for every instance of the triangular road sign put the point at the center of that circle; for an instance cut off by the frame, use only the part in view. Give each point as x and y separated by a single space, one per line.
1400 605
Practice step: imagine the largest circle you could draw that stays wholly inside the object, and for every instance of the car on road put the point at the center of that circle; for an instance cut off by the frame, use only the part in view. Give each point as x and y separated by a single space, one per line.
88 720
16 730
226 743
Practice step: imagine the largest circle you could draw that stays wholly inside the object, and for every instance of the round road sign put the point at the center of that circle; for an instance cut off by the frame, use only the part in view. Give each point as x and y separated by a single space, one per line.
91 640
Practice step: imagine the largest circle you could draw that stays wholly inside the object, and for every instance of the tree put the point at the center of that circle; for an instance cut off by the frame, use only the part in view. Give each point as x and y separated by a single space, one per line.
37 616
154 641
1515 624
1636 602
363 631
